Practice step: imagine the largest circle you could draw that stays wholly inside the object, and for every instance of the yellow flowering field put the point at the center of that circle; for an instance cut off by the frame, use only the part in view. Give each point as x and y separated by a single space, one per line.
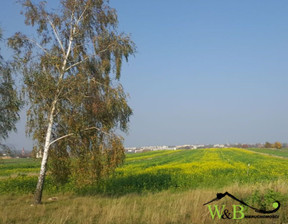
191 169
165 170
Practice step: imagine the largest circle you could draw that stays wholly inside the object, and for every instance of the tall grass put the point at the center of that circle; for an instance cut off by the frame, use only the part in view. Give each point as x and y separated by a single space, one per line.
152 208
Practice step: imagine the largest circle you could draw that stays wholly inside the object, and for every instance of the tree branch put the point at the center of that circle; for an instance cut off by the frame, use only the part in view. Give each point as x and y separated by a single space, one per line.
56 35
57 139
82 14
79 62
72 32
37 44
71 134
75 64
99 83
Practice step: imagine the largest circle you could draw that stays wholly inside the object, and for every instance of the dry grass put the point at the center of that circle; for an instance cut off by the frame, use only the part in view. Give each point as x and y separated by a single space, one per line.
165 207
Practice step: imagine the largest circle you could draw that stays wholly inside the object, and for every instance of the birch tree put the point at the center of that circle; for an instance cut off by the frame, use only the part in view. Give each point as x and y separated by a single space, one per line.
71 77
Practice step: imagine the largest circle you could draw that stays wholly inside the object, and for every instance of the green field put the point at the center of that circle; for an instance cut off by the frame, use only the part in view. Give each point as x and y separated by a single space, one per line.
18 167
162 170
276 152
161 175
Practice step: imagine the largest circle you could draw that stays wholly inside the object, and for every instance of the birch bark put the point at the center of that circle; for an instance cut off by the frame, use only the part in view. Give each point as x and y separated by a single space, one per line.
41 178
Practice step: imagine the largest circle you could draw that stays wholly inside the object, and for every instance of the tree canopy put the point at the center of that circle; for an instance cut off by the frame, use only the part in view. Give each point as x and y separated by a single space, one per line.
10 102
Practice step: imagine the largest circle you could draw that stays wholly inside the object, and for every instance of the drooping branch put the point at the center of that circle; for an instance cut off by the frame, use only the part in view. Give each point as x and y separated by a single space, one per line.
37 44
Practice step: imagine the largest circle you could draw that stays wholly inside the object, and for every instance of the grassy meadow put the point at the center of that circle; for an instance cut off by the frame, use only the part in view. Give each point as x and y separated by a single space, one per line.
152 187
276 152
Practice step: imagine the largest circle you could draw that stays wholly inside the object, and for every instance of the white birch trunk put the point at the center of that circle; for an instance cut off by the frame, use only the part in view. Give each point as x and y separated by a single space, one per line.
41 178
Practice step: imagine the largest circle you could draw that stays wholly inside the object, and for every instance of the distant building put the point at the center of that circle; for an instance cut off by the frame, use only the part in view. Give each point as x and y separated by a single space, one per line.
218 146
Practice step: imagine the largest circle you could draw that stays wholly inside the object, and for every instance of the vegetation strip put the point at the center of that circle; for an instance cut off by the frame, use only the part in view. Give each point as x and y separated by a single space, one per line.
166 170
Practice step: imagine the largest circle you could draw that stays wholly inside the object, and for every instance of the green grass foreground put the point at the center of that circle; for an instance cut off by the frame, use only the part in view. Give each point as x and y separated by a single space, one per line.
153 187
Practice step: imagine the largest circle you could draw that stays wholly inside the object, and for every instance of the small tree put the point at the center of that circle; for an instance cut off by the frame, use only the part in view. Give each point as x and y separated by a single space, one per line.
71 76
10 102
277 145
268 145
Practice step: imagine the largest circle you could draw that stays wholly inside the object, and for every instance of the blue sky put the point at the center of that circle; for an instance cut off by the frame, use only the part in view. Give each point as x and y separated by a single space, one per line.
204 72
